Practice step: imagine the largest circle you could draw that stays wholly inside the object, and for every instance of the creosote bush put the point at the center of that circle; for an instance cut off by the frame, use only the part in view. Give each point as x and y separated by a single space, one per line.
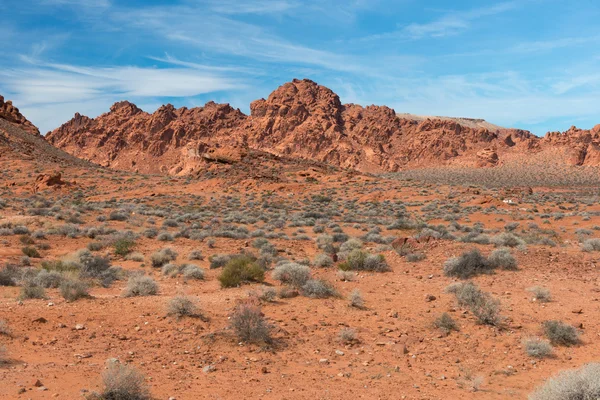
32 291
249 324
240 270
560 334
580 384
31 252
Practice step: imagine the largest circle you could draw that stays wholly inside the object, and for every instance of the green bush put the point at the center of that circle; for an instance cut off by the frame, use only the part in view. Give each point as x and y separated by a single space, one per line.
123 246
467 265
31 252
241 270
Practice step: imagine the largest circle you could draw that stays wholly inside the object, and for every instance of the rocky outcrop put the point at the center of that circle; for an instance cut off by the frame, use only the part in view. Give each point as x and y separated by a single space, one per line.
300 119
12 114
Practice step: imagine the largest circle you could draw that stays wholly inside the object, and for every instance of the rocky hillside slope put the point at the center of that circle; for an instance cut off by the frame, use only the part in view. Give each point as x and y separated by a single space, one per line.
302 119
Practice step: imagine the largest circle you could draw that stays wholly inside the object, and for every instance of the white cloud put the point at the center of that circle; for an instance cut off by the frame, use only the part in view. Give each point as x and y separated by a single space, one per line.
451 23
40 89
251 6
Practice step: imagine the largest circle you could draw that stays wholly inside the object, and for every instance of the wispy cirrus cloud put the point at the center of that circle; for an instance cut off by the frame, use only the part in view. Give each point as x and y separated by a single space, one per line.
450 24
250 6
50 86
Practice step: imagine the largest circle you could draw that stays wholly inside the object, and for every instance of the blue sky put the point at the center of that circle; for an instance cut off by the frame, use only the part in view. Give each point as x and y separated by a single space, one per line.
531 64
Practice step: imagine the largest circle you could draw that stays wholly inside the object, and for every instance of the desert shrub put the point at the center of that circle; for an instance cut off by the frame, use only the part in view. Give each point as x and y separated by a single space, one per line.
267 294
318 289
165 237
112 274
345 276
348 336
591 245
287 292
48 279
182 306
20 230
9 275
26 239
123 246
95 246
467 265
356 299
239 270
4 329
117 216
292 274
560 334
415 257
502 258
137 257
541 294
348 246
31 252
219 260
170 223
249 324
170 270
195 255
123 382
140 286
580 384
482 305
358 260
32 291
507 239
91 266
73 290
150 233
323 260
191 271
446 323
376 263
162 257
534 347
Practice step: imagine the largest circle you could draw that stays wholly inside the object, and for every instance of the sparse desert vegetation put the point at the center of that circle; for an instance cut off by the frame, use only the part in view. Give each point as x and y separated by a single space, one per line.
183 280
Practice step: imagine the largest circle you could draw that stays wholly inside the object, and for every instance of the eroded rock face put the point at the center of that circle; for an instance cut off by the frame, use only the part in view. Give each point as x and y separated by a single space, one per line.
299 119
12 114
582 146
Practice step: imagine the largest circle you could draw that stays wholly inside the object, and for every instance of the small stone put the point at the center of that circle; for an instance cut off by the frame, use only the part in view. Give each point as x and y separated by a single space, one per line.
324 361
339 352
430 297
79 327
40 320
208 369
38 383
